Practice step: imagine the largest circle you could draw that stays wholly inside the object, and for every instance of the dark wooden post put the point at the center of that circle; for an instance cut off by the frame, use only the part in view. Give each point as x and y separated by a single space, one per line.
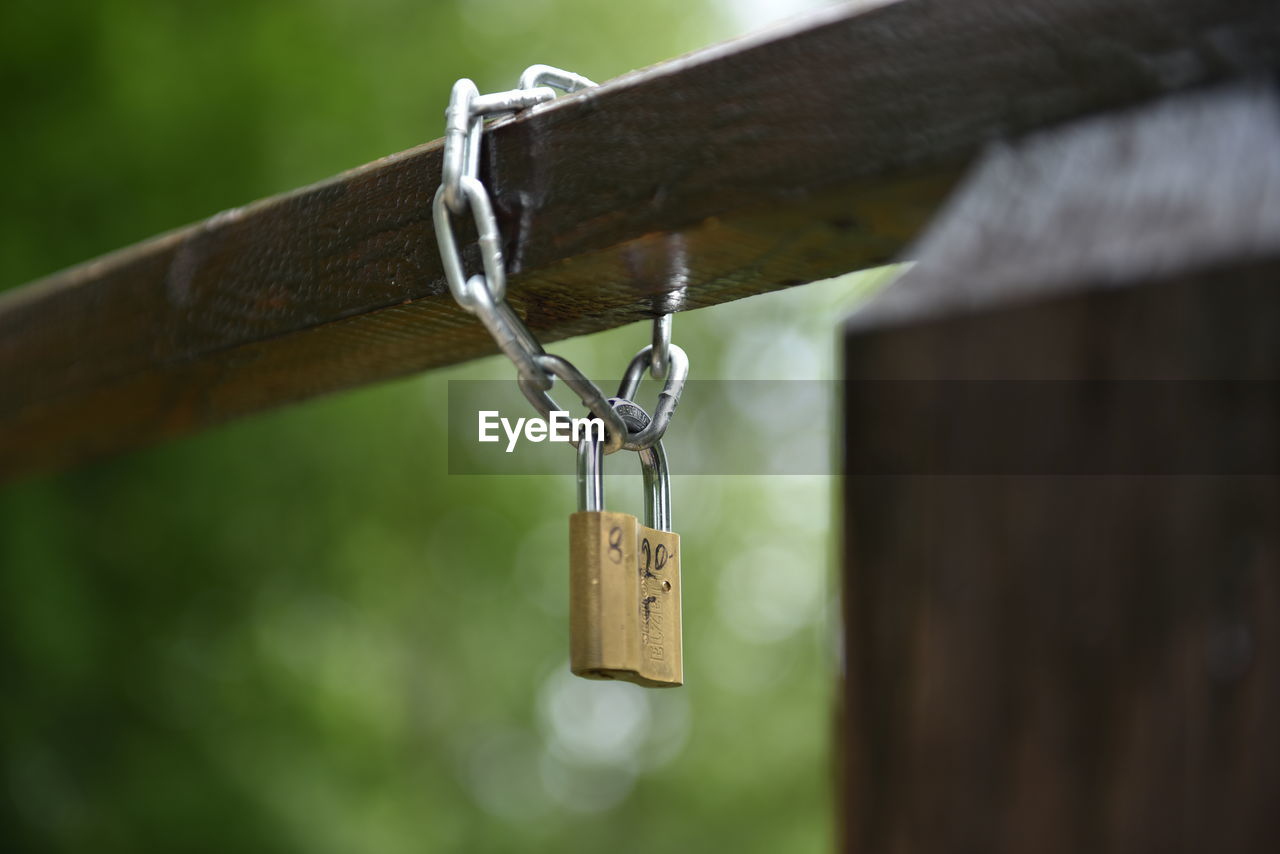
1062 510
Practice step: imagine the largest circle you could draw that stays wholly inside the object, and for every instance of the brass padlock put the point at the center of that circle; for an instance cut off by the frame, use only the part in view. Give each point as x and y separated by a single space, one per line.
624 579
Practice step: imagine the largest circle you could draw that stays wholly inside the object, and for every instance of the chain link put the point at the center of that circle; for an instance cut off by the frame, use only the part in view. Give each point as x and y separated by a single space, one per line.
668 398
590 394
494 279
484 294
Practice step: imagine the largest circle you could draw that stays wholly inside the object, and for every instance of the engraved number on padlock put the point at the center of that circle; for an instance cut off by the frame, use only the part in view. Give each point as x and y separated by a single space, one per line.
624 599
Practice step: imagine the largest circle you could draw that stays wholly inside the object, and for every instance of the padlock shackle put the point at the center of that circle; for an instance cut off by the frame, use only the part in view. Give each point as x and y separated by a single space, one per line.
590 474
657 487
657 481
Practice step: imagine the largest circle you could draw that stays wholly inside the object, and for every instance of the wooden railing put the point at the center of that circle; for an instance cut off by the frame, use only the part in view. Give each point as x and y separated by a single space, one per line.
751 166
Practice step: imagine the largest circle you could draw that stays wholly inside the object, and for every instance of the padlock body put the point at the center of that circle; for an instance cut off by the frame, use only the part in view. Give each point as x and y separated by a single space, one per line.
658 564
624 609
604 631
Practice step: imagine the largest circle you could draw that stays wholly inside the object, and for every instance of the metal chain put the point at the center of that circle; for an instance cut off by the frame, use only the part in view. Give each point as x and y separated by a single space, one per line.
484 294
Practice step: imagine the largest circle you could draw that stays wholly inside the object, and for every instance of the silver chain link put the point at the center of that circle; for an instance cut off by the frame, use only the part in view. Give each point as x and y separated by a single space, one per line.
484 294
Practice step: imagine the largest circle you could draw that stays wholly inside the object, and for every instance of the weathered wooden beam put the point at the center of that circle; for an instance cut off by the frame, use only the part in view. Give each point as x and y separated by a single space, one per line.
1062 558
752 166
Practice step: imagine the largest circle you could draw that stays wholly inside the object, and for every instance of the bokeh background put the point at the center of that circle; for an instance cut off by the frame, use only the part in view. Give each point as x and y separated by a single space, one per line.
297 632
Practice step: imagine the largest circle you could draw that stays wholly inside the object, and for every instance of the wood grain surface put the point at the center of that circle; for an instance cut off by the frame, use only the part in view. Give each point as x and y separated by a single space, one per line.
756 165
1063 620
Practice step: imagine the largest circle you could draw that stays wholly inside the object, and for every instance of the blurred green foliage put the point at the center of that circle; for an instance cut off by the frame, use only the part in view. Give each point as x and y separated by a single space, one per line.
297 632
